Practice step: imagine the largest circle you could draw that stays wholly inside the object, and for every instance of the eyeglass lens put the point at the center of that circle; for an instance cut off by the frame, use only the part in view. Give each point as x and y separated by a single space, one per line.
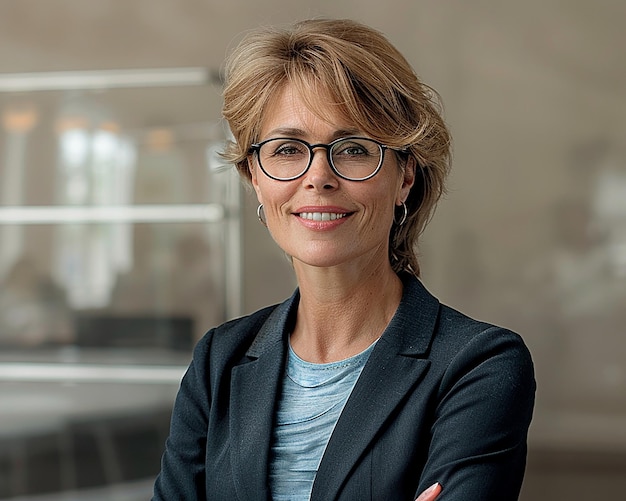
352 158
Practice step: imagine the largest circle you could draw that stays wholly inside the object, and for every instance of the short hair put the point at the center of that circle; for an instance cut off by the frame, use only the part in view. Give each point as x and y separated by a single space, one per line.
368 81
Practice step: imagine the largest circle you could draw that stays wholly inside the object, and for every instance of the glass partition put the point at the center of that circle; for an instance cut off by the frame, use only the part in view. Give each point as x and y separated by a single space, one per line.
119 248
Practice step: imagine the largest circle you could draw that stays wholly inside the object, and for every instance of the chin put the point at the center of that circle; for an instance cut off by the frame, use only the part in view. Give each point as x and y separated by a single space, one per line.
319 260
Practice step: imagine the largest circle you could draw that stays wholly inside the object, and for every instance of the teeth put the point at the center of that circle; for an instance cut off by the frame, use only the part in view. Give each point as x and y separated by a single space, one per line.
321 216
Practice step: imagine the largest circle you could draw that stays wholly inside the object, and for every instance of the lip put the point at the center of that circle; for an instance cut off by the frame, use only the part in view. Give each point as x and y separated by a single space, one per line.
322 217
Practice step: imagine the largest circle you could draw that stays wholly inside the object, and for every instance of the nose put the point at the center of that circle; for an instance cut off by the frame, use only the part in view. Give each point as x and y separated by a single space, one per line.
320 175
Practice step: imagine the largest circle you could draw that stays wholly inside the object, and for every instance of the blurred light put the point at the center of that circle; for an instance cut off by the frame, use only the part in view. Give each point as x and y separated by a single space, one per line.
20 120
206 213
71 122
103 79
160 140
104 144
110 126
74 145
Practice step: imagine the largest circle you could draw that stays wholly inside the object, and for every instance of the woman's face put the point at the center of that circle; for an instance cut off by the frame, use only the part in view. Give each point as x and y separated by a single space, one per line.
361 212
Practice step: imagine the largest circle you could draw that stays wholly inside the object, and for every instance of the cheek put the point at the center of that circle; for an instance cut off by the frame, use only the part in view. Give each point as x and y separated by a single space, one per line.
385 205
273 195
380 208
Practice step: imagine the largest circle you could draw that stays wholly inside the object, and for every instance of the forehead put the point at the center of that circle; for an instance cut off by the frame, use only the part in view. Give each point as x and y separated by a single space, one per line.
304 110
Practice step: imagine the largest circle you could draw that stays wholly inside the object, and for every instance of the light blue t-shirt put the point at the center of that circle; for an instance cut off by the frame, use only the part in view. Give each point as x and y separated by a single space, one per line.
311 401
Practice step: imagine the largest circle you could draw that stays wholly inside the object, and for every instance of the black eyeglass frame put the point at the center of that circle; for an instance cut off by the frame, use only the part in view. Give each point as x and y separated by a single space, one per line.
256 148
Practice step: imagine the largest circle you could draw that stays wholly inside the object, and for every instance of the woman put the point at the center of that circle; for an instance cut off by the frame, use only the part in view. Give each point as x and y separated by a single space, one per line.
361 385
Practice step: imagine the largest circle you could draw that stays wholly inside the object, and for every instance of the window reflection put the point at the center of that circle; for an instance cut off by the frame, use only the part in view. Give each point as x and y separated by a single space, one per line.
96 168
18 120
116 239
34 310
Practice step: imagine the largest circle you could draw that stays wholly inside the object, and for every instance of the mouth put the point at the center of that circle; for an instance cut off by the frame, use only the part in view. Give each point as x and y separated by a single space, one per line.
321 216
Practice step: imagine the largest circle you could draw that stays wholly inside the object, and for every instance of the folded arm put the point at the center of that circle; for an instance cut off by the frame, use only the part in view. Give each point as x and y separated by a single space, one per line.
486 398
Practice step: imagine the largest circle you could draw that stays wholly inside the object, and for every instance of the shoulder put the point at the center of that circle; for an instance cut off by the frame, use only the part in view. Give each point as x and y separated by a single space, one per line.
238 341
456 344
466 349
444 332
458 332
233 336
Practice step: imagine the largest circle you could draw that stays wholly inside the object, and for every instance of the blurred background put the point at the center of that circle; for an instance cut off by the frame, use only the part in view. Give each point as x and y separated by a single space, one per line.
123 237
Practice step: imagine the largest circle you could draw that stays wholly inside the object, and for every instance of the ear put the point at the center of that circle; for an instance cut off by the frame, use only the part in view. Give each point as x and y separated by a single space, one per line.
408 179
253 178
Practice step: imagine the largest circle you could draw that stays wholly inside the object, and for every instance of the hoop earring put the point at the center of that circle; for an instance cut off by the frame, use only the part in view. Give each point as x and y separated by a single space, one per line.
260 214
405 213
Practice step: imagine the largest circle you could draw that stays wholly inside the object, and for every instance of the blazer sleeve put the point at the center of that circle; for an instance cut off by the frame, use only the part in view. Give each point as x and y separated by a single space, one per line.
479 432
182 475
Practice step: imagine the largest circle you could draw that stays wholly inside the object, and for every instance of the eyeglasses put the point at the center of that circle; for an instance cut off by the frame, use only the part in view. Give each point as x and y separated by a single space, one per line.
351 158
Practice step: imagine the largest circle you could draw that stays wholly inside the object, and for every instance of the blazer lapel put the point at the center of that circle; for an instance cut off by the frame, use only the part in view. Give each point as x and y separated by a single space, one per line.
395 366
254 388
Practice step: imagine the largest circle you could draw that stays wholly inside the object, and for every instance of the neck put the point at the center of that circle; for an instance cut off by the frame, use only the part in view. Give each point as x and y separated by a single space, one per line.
341 312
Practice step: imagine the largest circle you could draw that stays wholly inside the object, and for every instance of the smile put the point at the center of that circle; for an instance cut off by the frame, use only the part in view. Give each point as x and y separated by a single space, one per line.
321 216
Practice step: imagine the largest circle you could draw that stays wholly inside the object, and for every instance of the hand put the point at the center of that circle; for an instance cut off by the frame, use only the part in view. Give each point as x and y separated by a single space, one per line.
430 494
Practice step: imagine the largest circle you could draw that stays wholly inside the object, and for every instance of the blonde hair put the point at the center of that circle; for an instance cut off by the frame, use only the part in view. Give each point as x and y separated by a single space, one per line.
368 82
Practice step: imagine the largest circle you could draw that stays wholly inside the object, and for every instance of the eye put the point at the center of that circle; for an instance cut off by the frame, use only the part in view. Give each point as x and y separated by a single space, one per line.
352 148
355 150
283 148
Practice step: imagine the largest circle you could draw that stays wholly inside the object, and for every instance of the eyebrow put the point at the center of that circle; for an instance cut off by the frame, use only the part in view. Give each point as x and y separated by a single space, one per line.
299 133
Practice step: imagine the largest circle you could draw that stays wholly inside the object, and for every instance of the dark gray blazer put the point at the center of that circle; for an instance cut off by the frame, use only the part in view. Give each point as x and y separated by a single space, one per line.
443 398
